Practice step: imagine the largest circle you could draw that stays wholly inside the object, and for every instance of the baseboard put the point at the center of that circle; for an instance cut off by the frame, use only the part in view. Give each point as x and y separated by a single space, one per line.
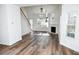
26 34
62 44
41 31
6 44
9 43
53 33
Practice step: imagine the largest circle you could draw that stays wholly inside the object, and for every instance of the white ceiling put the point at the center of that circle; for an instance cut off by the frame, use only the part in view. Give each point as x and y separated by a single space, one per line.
26 5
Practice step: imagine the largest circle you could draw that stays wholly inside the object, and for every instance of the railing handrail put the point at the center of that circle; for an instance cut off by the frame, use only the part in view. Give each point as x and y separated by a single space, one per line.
25 16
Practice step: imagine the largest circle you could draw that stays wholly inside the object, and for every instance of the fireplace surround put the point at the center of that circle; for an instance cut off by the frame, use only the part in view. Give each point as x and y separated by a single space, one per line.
53 29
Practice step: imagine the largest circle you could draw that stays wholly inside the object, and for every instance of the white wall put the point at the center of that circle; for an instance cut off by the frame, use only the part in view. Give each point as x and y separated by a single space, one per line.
33 10
10 23
25 27
14 23
4 32
72 43
56 21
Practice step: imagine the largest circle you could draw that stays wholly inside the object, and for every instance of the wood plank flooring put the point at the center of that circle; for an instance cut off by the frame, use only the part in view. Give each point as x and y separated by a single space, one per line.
37 43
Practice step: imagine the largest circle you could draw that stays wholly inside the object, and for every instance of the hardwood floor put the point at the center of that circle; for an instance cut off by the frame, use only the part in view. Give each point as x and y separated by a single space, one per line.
37 43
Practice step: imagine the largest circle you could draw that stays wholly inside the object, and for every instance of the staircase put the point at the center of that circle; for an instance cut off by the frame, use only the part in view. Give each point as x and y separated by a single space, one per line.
26 18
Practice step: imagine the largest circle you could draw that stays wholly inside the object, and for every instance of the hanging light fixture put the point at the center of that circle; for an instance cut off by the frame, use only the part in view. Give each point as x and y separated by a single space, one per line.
43 13
41 9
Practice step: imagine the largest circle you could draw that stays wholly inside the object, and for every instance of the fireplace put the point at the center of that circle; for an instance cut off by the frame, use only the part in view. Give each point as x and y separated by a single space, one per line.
53 29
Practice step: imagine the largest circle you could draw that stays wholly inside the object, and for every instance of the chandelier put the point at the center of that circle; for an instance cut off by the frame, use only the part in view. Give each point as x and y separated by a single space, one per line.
43 14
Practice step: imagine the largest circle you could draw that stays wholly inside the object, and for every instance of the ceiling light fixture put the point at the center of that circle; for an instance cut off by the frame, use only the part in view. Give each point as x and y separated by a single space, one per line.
43 14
